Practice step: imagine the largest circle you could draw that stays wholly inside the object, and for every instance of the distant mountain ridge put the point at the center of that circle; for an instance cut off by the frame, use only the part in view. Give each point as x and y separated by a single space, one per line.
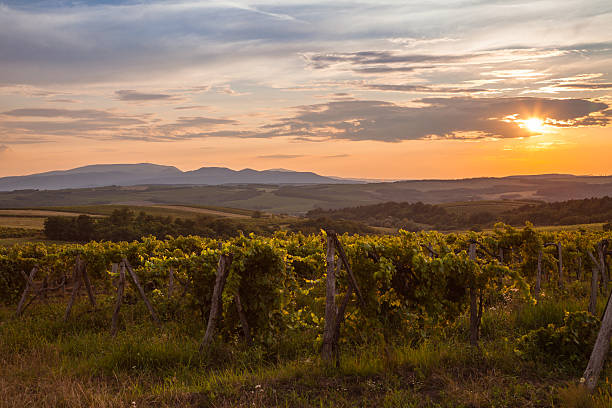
100 175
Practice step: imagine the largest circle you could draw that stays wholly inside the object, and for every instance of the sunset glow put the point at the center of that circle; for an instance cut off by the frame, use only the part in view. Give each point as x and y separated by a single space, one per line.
347 89
535 125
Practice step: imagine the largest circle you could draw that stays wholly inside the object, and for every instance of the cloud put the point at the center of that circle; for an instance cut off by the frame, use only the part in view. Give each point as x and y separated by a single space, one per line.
131 95
437 118
3 148
59 113
586 86
205 107
93 123
227 90
375 62
425 118
411 42
36 122
422 88
65 100
280 156
195 121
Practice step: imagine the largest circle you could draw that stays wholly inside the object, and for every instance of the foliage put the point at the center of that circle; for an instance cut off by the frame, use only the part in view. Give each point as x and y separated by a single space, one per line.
569 344
417 216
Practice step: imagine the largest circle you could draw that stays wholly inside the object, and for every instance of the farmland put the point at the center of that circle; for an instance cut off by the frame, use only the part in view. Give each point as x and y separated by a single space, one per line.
407 338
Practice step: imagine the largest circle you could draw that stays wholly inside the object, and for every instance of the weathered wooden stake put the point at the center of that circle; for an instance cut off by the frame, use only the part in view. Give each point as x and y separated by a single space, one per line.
473 304
29 282
538 285
594 290
559 261
77 277
600 350
142 292
119 300
344 260
352 287
243 320
601 249
170 282
223 268
329 330
560 256
90 292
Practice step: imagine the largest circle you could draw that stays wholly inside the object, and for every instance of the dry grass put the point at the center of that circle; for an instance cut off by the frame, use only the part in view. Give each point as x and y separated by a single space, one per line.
40 213
34 223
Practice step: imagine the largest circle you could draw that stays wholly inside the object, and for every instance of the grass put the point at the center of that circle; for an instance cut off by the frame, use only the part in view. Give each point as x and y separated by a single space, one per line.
597 226
493 206
45 362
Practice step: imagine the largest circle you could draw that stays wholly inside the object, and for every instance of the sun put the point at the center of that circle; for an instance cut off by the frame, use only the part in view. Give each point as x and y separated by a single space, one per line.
534 124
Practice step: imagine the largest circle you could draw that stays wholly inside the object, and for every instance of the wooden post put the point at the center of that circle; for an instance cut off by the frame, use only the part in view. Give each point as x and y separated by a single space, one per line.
90 292
473 304
142 292
579 273
344 259
330 305
601 249
538 285
594 288
600 350
29 282
76 285
170 282
560 256
243 320
119 300
223 268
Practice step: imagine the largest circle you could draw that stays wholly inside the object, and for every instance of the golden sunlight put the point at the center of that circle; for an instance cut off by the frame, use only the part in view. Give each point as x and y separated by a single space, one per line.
534 124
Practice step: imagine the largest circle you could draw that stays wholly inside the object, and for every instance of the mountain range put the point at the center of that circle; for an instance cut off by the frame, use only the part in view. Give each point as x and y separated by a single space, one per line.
276 191
100 175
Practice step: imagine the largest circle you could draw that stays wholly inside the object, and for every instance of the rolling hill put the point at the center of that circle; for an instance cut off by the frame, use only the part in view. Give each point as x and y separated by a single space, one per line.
299 199
146 173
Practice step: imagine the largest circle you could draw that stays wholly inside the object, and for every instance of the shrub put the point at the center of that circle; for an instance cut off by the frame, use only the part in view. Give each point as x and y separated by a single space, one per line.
570 343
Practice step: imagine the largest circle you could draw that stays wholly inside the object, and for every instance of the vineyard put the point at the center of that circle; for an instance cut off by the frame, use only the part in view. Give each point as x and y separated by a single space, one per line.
510 299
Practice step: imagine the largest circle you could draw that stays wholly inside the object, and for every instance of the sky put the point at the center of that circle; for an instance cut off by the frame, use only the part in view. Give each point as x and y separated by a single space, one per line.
369 89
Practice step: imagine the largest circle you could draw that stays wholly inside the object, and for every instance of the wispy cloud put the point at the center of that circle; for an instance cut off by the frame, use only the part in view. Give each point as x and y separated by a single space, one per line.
586 86
280 156
135 96
423 88
393 61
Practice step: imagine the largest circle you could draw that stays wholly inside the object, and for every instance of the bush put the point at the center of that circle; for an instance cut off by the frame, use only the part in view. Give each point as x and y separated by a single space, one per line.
570 343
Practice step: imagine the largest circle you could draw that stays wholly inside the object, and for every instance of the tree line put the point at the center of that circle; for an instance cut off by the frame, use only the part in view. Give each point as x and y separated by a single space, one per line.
418 216
127 225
